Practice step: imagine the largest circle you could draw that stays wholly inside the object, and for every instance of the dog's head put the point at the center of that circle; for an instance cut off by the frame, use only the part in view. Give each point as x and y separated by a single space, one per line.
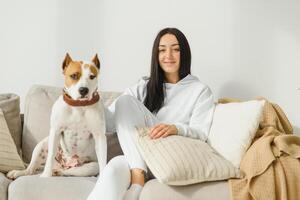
81 77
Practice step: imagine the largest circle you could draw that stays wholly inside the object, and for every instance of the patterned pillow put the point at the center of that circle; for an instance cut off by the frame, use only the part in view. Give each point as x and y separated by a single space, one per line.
9 157
178 160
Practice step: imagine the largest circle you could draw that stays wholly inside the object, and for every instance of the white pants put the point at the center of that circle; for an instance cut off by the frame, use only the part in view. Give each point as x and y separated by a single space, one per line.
130 113
115 178
113 181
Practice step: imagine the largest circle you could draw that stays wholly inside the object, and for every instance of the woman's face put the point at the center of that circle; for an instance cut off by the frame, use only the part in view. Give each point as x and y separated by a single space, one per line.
169 54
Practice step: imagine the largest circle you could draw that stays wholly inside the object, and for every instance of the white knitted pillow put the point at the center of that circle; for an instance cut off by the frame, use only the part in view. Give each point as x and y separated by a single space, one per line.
9 157
178 160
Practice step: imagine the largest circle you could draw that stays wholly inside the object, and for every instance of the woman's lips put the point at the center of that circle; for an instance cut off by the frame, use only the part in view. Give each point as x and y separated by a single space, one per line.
169 62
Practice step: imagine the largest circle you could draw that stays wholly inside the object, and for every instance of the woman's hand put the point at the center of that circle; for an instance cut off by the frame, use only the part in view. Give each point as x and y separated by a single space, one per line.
162 130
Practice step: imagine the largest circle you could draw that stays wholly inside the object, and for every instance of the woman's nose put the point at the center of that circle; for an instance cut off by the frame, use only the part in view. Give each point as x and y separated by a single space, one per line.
168 54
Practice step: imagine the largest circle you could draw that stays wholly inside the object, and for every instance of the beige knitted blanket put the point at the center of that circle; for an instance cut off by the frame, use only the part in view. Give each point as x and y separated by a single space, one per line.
272 163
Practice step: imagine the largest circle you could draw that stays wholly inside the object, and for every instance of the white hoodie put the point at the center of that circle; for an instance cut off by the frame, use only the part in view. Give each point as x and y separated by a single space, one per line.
188 104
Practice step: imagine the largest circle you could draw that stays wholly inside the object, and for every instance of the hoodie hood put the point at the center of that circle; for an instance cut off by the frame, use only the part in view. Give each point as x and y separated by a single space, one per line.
186 80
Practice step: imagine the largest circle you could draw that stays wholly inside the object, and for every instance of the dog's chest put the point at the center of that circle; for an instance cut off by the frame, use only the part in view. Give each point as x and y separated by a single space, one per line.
77 140
76 135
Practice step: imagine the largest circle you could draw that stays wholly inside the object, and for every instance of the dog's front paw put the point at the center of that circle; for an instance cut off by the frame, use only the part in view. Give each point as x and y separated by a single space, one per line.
15 174
57 172
46 175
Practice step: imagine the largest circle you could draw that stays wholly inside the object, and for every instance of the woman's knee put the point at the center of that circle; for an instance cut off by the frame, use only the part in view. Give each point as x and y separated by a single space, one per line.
124 101
118 166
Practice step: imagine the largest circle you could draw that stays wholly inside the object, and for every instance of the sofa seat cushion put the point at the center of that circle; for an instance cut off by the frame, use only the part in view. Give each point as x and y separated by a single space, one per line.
4 182
58 188
217 190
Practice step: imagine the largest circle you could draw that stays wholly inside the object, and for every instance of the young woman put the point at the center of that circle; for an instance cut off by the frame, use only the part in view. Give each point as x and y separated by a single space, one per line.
171 101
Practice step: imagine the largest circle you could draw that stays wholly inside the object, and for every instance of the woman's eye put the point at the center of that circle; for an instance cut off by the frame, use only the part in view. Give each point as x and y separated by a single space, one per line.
177 49
92 77
74 76
161 50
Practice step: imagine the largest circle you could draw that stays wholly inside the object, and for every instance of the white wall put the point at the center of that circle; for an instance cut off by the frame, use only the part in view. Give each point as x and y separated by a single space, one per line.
240 49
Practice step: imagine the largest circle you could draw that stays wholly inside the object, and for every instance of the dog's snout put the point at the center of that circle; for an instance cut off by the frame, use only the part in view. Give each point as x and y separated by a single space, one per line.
83 91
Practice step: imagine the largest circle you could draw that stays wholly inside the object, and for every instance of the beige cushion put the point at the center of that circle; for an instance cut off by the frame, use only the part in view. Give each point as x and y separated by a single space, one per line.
38 105
9 157
10 105
53 188
178 160
216 190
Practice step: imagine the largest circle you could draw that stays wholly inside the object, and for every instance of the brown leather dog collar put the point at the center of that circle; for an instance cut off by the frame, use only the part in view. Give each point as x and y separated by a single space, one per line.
73 102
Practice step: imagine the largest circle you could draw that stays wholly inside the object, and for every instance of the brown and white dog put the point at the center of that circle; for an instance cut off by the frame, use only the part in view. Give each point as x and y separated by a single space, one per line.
77 127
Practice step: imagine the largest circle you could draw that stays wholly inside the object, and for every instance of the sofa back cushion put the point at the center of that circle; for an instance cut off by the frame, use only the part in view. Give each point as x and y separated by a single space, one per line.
38 105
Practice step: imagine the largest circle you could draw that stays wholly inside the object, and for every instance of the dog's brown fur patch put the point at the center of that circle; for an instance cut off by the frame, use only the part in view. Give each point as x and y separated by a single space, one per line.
73 68
93 69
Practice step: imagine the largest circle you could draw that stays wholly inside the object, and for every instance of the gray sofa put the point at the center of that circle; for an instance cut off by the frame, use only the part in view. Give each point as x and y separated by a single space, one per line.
36 125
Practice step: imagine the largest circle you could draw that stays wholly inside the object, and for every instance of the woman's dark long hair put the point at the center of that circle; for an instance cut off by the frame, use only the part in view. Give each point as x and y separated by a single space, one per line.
155 87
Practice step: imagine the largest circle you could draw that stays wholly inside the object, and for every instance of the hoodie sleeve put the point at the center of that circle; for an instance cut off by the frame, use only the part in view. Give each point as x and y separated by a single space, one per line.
201 118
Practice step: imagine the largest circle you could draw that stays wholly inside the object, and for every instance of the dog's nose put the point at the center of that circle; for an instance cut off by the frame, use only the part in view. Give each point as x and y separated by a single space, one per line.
83 91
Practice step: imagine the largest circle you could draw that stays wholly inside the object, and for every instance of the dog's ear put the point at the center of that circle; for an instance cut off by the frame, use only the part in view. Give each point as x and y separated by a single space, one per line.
96 61
67 61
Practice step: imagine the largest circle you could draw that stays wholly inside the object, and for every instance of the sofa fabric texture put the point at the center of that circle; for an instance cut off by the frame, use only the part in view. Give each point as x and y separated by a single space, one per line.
4 182
36 188
217 190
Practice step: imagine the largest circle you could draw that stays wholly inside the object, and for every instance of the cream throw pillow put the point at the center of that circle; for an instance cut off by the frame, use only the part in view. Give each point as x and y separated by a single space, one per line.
9 157
233 128
178 160
10 105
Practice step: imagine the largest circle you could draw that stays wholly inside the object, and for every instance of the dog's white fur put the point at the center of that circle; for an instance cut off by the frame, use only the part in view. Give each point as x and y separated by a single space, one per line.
77 131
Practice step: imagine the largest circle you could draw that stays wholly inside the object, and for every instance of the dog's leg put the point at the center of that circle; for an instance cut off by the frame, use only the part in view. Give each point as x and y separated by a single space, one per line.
38 158
53 141
101 150
98 130
88 169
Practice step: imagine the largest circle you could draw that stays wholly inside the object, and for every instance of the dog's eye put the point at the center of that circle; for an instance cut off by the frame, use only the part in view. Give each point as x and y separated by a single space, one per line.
92 77
74 76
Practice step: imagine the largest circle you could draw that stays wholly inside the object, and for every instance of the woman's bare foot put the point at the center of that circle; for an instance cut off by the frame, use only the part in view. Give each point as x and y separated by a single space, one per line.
138 176
137 183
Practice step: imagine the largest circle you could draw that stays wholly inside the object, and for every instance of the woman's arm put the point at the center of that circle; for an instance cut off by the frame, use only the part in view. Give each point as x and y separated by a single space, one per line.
199 124
201 118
